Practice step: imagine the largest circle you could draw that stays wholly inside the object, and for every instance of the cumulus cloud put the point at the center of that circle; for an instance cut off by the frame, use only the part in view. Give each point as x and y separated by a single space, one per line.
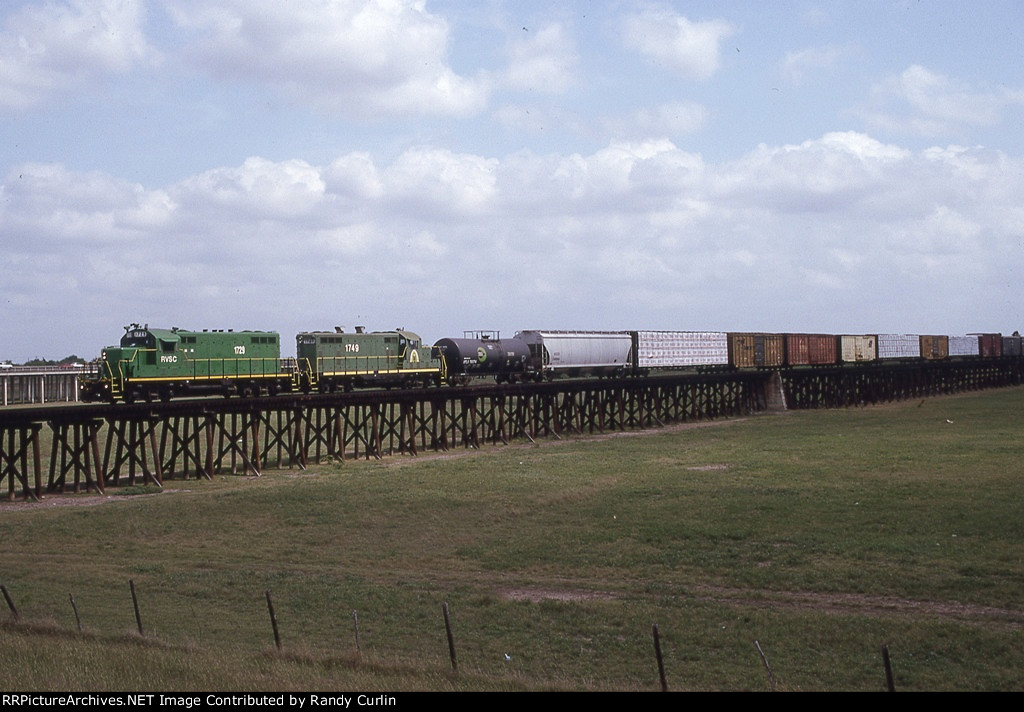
825 175
51 208
921 102
49 48
799 65
356 59
686 48
543 60
843 232
668 119
258 187
441 182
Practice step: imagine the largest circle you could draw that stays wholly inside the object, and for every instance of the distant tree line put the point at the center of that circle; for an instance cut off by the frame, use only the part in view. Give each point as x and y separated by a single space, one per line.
47 362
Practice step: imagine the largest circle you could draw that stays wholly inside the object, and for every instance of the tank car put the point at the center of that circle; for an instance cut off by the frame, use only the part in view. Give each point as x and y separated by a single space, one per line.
334 360
483 353
162 363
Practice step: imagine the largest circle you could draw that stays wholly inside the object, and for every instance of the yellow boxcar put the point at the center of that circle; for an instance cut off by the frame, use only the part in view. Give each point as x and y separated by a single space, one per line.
757 350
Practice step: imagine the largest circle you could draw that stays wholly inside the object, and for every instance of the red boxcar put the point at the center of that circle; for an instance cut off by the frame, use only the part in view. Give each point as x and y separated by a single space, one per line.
810 349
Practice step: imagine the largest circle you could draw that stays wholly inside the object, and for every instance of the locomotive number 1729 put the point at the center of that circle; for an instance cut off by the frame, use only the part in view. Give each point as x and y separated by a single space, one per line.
239 351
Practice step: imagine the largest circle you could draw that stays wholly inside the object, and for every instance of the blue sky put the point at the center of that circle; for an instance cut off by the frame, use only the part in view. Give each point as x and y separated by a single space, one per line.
444 166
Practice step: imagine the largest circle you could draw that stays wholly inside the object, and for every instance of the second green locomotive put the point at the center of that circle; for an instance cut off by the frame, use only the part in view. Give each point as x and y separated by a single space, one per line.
330 361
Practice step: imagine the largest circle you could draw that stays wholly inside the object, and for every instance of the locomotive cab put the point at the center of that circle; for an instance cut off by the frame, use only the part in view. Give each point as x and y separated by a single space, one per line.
142 352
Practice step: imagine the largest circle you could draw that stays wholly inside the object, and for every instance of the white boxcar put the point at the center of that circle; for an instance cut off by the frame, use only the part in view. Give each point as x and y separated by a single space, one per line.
856 348
964 346
580 350
899 346
681 349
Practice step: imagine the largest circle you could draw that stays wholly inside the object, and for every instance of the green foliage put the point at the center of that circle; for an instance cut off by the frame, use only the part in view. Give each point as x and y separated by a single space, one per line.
47 362
821 535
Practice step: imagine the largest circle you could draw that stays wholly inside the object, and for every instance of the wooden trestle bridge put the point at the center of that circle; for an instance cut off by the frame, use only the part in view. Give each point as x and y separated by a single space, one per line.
91 447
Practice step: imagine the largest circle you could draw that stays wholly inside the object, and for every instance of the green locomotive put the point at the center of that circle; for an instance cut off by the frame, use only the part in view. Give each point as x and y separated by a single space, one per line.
163 363
329 361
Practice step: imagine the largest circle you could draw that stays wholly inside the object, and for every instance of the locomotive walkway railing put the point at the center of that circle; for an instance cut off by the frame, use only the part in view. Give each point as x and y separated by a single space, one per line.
91 447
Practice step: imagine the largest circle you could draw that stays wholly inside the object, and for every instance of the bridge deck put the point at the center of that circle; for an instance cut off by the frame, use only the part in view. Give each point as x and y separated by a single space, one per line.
89 447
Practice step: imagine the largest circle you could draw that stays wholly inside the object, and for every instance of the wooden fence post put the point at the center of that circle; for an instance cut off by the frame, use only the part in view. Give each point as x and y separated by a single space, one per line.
135 604
273 620
451 639
764 659
657 654
10 603
78 619
888 669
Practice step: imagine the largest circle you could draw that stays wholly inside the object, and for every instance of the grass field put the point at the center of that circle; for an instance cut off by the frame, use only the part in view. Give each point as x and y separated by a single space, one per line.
821 535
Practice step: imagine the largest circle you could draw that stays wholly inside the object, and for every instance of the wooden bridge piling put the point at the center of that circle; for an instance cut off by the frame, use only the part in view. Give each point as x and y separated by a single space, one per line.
92 447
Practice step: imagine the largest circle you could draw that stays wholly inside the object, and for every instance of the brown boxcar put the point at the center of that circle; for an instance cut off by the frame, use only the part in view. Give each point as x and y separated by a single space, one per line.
756 350
934 348
810 349
990 345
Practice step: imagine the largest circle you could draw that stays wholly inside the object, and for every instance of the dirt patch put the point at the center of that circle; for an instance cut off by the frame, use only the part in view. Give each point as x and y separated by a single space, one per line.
858 603
77 500
536 595
830 603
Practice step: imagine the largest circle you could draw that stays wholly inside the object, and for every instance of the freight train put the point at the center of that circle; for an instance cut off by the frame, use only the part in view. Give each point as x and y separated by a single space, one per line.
160 364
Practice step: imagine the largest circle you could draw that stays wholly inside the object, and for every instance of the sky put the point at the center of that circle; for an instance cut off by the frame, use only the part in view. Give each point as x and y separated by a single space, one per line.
840 167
